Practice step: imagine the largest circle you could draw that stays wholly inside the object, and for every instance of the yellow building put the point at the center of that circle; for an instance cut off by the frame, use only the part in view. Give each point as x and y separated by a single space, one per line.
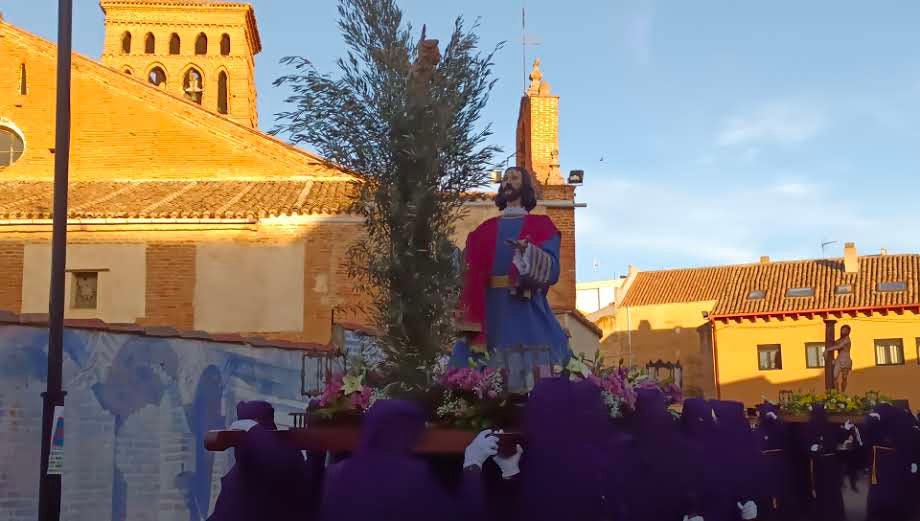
745 332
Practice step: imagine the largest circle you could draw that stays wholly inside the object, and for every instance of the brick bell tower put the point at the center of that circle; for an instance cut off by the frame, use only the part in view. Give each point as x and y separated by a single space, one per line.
198 50
537 150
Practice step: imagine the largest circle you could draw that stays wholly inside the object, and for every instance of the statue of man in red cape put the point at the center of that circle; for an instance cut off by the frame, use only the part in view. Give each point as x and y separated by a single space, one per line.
511 261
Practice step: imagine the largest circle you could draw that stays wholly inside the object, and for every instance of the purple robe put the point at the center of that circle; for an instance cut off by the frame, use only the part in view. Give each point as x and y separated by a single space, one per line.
776 499
269 480
660 483
384 481
891 451
699 430
571 454
739 475
825 468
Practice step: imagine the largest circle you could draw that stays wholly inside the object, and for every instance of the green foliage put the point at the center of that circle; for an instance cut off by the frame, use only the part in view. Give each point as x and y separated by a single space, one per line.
834 402
414 137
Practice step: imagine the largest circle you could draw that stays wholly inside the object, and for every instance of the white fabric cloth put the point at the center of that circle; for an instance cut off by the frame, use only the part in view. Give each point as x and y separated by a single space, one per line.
243 425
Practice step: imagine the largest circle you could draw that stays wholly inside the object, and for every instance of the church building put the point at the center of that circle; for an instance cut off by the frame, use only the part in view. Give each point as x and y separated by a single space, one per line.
182 213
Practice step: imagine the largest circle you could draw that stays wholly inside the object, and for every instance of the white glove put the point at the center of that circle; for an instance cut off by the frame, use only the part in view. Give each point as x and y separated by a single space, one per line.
243 425
875 415
913 468
511 466
771 415
815 447
482 448
748 510
848 425
694 518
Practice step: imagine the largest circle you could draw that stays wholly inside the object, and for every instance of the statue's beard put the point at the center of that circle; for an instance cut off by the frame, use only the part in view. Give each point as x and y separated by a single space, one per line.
511 194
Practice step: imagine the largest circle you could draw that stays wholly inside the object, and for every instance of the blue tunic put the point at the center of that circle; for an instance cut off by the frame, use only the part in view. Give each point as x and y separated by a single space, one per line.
514 322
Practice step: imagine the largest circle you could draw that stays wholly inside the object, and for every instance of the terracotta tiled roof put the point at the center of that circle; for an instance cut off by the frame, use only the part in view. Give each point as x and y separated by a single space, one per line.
41 320
730 286
185 199
824 276
674 286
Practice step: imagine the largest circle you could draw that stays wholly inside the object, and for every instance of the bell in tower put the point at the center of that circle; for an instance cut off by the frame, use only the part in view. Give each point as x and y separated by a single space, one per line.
203 52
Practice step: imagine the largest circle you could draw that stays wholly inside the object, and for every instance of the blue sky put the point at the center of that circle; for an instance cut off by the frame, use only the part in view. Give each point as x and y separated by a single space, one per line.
710 132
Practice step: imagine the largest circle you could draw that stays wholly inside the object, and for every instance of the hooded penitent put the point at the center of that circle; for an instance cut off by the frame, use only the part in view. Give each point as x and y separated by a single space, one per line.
891 453
697 424
659 483
820 439
570 453
383 480
738 459
269 480
776 499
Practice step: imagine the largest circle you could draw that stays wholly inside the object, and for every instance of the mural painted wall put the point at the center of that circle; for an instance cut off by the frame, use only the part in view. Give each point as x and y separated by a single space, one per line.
136 411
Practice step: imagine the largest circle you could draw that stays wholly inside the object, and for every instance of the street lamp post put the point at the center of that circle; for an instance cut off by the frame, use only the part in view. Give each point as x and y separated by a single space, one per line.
49 489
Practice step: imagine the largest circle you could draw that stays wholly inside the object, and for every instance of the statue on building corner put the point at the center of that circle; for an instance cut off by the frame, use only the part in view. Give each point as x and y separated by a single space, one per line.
511 262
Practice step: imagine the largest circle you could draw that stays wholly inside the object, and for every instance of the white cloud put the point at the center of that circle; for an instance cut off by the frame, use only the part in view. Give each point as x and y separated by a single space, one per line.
781 122
638 36
795 189
706 223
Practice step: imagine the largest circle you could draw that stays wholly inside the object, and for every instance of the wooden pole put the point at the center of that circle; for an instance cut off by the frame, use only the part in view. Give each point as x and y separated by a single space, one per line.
829 339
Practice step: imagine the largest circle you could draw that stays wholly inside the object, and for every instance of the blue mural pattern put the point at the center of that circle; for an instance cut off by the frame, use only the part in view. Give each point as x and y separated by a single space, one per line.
136 412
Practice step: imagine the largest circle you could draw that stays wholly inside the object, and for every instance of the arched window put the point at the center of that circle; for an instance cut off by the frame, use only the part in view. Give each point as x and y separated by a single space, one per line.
225 44
150 44
201 44
126 43
175 44
191 85
157 76
223 101
11 146
23 84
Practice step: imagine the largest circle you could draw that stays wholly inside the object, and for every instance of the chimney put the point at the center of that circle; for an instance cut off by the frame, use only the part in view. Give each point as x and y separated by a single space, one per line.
850 259
765 259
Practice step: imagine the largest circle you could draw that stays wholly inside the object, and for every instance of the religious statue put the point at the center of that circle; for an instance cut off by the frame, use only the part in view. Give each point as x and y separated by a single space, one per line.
843 364
511 261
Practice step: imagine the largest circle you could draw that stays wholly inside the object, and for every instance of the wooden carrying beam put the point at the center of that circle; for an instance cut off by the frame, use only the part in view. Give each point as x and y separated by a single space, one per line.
345 439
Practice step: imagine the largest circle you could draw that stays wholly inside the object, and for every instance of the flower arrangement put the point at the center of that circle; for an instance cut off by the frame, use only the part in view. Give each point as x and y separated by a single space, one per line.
473 398
834 402
344 394
620 386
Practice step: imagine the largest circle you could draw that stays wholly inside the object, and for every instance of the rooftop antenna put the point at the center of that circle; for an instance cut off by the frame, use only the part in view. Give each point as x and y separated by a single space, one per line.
824 246
525 41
